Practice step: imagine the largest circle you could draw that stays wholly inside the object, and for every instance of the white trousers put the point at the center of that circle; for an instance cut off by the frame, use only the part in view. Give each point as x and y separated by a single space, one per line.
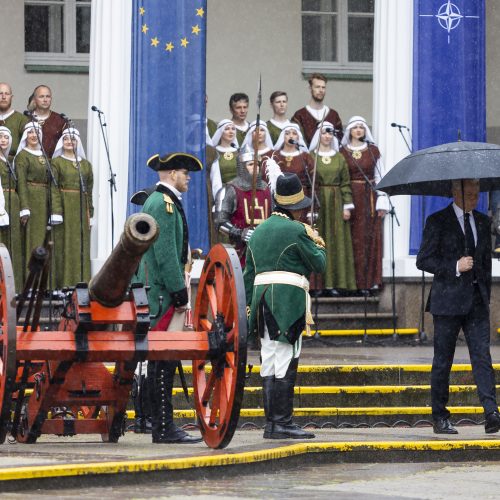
276 356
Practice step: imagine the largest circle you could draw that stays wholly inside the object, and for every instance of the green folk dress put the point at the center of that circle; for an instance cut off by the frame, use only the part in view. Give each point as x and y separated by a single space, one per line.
335 192
10 235
33 196
68 239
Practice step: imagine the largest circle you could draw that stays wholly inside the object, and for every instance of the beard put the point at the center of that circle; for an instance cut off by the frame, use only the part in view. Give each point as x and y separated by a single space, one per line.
318 100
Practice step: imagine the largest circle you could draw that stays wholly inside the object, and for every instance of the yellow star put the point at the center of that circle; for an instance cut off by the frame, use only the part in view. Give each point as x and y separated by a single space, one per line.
169 47
184 42
142 10
200 12
195 29
154 42
145 28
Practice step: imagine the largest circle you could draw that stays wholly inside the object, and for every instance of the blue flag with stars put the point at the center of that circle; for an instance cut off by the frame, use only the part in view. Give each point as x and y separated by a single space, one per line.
168 98
449 86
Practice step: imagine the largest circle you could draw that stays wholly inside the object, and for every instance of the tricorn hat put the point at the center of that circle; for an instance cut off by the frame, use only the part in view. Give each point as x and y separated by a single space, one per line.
140 197
289 193
175 161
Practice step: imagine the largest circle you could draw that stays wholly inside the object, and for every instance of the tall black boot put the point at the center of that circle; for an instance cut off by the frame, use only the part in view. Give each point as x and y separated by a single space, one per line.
267 395
164 429
283 427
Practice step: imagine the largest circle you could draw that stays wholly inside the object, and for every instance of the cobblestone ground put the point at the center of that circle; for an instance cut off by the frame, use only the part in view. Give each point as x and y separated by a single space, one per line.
339 481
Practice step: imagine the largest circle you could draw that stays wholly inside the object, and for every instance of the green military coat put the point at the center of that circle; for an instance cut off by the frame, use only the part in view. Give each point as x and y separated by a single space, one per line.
280 244
162 266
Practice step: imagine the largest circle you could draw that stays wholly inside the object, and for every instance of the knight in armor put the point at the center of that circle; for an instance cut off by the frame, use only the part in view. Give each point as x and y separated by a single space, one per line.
281 253
164 269
234 216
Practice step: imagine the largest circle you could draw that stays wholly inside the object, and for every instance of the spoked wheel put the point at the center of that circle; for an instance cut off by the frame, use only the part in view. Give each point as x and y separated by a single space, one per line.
219 381
8 337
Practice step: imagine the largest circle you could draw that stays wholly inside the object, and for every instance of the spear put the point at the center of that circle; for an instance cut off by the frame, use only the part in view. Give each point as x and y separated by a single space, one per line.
316 152
256 166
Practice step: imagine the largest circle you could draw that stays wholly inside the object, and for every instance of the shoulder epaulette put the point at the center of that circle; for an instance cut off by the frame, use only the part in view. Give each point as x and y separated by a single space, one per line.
169 204
311 233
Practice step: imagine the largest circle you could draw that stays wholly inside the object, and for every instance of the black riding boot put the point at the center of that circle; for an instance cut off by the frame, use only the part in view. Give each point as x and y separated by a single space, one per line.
268 394
142 406
283 427
161 378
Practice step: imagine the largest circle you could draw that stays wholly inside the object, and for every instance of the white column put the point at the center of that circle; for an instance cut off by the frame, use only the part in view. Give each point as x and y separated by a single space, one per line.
392 102
109 90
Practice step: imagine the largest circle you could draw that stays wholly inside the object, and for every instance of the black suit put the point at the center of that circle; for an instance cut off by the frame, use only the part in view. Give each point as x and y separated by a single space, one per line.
458 302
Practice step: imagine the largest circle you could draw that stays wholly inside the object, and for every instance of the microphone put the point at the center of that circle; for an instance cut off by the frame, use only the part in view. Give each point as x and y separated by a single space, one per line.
95 108
30 114
233 145
64 117
399 126
294 143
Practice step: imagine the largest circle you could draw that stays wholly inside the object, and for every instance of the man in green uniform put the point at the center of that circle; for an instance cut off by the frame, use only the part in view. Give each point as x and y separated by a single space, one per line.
10 118
162 268
281 253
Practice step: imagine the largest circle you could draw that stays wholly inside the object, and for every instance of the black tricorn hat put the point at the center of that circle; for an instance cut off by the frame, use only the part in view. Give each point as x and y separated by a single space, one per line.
140 197
289 193
175 161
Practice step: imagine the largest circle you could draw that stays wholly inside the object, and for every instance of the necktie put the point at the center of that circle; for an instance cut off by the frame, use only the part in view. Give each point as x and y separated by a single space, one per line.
470 245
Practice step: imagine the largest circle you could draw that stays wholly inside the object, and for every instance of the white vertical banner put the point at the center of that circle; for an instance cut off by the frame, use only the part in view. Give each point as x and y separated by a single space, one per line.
392 103
109 91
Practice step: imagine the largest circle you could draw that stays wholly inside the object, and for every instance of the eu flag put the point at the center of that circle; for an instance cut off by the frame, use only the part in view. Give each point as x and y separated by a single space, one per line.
168 97
449 86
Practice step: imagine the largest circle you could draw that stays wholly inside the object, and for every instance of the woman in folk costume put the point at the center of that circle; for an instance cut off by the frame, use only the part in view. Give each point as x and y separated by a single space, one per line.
36 202
73 237
370 206
265 142
224 168
335 197
291 154
10 232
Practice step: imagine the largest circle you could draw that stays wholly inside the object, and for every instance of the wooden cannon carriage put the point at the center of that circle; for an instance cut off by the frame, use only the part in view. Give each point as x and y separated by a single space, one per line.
57 382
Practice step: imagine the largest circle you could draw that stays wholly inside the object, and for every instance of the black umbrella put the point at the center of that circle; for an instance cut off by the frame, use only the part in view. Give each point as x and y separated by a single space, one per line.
430 171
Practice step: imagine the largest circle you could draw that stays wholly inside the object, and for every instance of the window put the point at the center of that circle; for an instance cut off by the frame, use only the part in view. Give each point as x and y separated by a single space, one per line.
337 36
57 32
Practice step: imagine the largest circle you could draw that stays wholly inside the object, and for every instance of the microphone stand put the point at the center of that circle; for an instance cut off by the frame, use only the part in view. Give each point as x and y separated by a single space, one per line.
112 175
422 336
368 184
50 180
83 190
392 212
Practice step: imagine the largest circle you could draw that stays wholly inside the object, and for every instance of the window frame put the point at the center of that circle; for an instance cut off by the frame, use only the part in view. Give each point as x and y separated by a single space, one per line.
68 58
342 68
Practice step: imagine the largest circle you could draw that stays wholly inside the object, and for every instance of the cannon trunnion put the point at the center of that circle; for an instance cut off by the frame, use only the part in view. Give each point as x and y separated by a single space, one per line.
77 379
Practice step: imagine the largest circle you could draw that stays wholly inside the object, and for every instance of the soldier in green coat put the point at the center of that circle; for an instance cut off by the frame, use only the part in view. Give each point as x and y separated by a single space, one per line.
162 268
281 253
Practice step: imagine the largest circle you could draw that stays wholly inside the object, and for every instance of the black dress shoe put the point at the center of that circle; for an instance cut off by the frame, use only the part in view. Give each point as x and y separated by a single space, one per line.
289 431
443 426
330 292
175 435
492 423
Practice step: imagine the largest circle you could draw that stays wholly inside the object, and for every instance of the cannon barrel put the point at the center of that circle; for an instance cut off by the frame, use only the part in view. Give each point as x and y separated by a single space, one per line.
109 286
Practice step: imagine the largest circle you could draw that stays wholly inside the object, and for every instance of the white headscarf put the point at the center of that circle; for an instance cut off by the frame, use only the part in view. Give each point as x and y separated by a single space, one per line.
72 132
353 122
281 138
22 143
248 141
221 126
316 137
6 131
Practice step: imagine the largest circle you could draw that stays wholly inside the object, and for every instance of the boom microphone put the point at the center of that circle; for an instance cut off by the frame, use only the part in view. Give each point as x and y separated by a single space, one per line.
399 126
95 108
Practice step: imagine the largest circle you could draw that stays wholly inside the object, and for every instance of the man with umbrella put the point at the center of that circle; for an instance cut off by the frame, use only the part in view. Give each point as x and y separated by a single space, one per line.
456 248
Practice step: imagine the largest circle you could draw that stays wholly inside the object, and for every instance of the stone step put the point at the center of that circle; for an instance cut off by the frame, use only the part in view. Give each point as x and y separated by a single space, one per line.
344 304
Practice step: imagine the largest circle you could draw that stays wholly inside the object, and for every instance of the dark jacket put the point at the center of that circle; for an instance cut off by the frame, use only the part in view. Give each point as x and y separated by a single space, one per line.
442 246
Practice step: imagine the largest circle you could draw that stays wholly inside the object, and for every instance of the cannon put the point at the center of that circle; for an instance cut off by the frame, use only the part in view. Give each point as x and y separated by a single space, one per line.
77 379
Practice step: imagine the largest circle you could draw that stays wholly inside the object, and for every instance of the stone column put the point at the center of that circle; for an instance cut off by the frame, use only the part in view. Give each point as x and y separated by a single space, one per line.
392 102
109 90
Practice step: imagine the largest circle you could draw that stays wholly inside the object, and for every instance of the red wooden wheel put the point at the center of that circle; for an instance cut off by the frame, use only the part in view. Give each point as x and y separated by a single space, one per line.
219 382
8 337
